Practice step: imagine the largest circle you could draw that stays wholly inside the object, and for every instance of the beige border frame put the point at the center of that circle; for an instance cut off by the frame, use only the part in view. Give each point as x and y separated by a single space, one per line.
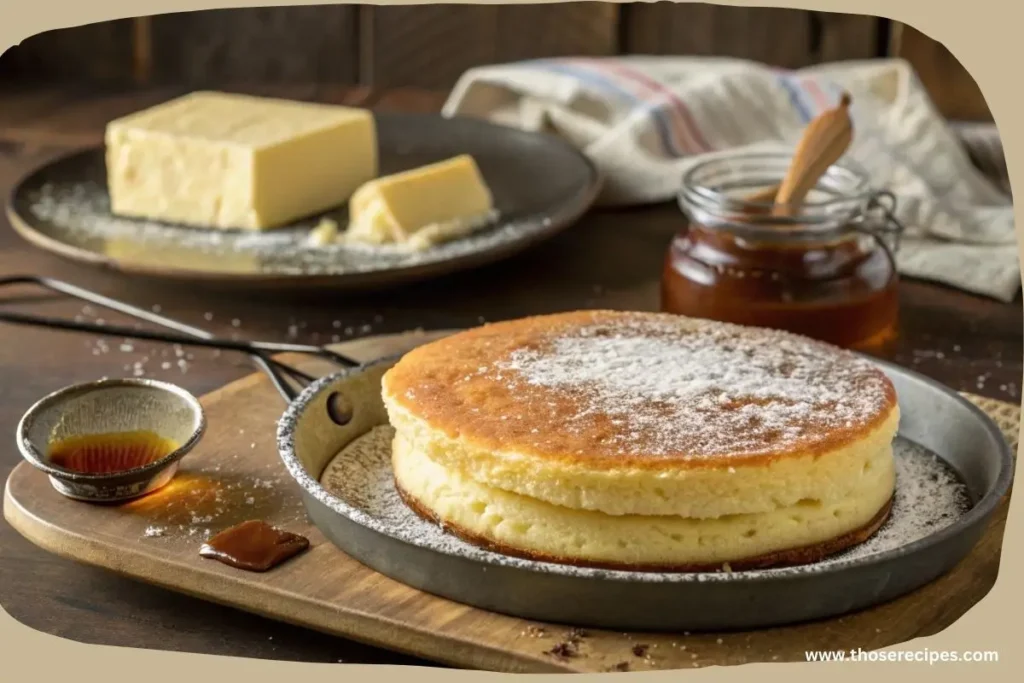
984 35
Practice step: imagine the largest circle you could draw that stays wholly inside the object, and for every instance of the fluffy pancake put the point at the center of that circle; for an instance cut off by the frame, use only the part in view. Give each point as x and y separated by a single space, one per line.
639 440
527 527
646 414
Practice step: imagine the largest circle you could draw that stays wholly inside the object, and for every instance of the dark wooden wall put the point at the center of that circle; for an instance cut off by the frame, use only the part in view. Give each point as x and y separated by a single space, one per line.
954 90
431 45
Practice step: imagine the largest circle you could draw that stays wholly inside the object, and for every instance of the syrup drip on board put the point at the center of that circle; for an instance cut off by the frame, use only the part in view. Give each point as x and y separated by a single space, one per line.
109 453
254 546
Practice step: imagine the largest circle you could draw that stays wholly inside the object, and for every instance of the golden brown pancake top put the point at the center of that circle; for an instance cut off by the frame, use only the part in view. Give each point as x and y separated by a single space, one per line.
612 389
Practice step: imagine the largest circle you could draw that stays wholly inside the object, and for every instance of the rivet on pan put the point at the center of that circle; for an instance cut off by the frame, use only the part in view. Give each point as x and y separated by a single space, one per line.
339 409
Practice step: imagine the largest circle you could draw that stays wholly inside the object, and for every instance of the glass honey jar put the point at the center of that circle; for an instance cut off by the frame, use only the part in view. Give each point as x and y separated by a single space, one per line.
824 269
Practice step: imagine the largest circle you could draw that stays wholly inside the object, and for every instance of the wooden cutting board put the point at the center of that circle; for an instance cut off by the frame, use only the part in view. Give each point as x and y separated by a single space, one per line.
234 474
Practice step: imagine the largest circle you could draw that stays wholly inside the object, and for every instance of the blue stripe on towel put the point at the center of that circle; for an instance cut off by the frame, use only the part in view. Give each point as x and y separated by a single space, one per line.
796 94
658 114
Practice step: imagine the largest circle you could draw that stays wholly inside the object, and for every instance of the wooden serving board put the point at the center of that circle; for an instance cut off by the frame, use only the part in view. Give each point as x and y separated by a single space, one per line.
234 474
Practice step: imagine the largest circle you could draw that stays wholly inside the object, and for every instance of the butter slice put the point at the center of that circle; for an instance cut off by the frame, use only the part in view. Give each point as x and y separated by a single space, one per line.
228 161
421 207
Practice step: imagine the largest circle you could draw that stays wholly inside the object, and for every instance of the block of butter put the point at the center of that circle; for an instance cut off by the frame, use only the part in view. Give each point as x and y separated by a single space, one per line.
423 206
219 160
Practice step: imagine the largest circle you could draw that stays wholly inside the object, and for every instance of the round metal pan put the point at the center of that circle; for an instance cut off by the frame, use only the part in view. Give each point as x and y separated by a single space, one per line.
933 416
541 185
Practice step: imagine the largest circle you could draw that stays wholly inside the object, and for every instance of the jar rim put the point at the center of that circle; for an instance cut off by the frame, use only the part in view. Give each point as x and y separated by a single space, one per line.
846 186
844 168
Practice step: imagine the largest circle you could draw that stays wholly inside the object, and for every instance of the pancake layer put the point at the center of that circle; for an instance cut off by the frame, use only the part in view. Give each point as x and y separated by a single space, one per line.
527 527
631 488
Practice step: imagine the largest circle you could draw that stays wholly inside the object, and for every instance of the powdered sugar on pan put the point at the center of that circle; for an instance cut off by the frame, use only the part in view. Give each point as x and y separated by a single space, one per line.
929 497
77 213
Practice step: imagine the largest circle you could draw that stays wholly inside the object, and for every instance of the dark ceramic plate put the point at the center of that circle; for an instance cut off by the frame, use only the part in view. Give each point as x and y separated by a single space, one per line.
541 185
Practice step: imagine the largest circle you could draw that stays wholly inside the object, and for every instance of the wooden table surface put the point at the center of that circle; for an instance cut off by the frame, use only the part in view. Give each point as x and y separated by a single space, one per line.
610 259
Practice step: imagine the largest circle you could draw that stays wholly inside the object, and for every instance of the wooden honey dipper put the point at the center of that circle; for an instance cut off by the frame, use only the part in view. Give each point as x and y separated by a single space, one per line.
824 141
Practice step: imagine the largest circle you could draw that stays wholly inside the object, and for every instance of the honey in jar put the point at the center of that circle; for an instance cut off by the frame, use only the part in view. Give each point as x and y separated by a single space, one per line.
823 270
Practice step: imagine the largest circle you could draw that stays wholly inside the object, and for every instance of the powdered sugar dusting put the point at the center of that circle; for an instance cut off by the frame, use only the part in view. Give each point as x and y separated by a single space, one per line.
929 497
77 213
702 390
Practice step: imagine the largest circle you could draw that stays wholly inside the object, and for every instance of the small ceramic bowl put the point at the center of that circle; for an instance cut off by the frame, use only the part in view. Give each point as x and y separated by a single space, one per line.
106 407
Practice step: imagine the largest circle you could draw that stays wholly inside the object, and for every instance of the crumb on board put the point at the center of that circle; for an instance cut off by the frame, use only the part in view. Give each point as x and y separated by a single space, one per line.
576 634
564 650
570 647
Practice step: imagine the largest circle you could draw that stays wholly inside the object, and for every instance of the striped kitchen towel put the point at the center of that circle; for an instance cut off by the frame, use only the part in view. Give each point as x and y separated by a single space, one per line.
645 120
